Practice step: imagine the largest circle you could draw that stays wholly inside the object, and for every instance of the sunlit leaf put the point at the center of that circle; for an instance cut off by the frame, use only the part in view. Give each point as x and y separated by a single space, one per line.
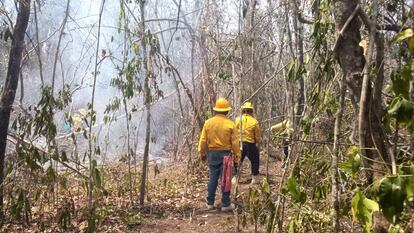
362 210
407 33
395 229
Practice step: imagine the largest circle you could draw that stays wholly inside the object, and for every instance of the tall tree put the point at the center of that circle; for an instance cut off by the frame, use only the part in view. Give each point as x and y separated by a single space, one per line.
147 100
12 80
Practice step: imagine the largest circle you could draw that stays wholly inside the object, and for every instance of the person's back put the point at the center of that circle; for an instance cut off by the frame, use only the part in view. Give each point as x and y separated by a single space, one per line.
284 130
218 141
250 137
219 130
250 128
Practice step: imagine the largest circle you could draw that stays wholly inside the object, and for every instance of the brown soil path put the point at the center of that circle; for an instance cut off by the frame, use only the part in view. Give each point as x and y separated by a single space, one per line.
193 216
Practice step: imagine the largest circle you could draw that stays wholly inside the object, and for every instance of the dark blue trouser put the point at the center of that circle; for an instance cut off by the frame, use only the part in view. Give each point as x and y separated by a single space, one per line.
285 146
215 163
252 152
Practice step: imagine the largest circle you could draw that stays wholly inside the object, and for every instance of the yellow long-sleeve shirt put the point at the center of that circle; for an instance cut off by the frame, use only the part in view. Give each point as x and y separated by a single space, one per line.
251 129
285 128
219 133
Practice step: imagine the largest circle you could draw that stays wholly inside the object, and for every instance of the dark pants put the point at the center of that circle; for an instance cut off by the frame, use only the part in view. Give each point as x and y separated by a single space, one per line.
285 147
215 163
250 150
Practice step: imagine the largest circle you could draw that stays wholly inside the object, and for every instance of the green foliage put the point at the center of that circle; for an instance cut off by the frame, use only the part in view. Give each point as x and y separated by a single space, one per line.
407 174
402 110
261 209
395 229
224 76
96 174
294 72
64 218
306 123
20 206
354 163
294 226
391 195
319 192
131 219
291 70
411 45
294 190
43 122
401 81
407 33
362 210
6 34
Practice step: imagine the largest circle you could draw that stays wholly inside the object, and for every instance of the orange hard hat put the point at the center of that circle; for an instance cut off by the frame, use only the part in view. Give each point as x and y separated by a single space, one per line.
222 105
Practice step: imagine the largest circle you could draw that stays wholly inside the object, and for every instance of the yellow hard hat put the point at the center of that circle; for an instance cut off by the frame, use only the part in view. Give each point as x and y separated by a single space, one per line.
82 112
247 105
222 105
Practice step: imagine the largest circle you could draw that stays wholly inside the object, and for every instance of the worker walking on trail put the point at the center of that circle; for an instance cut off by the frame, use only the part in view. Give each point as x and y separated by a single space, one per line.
250 137
284 130
218 139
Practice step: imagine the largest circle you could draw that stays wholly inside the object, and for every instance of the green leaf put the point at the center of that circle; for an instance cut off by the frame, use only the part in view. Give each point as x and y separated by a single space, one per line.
291 69
97 178
252 195
265 186
407 169
410 188
294 191
395 229
407 33
391 195
294 226
354 163
401 81
362 209
402 110
9 169
293 188
411 45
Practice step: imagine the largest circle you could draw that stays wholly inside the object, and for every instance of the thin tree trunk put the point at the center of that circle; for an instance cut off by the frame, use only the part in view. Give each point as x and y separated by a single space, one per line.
10 86
298 26
363 124
147 91
91 221
335 154
38 52
58 45
129 149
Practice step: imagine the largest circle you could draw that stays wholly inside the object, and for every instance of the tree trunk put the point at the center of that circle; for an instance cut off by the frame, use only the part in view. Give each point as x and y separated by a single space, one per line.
147 97
298 26
348 53
91 217
334 164
10 86
376 109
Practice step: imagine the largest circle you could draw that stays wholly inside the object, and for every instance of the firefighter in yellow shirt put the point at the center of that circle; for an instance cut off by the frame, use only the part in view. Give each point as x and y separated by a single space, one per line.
284 129
250 134
218 139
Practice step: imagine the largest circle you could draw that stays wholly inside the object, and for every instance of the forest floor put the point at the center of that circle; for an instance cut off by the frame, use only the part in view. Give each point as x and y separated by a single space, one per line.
171 205
193 216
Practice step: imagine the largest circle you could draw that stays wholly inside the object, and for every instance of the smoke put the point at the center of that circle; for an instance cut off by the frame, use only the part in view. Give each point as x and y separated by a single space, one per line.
75 66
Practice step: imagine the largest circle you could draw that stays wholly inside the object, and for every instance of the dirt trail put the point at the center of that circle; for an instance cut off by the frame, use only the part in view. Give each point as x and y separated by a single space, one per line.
188 213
